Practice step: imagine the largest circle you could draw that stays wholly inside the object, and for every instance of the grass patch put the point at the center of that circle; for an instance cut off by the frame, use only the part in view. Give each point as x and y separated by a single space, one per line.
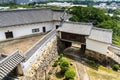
105 69
94 75
103 73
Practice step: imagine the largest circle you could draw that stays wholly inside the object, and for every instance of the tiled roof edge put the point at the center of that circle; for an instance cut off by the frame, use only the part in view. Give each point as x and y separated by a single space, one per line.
82 23
102 29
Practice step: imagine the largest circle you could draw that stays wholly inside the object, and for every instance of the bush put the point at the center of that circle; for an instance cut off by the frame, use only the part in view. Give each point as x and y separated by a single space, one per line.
69 75
64 66
116 67
60 57
92 63
58 61
55 64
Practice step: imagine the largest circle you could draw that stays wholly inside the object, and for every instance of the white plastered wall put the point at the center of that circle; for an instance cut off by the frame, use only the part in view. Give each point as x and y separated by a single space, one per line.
97 46
23 30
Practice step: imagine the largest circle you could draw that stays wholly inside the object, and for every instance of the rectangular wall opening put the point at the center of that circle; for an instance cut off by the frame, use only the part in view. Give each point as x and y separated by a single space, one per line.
35 30
57 26
9 34
44 29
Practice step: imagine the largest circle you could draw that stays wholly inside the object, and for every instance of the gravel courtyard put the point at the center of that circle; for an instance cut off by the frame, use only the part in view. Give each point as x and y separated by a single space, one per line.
22 44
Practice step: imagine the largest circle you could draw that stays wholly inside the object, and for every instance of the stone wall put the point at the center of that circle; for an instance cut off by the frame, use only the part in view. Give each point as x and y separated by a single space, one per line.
115 49
41 65
61 45
99 58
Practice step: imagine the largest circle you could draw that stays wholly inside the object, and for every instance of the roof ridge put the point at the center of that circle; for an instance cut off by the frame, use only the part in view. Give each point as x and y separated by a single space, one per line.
82 23
102 29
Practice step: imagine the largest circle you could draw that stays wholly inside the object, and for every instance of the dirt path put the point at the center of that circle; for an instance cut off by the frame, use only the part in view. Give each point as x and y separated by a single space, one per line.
22 44
81 69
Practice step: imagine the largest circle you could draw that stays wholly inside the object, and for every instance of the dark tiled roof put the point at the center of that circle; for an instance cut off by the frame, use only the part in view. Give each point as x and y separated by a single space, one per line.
98 34
27 16
76 28
9 63
103 35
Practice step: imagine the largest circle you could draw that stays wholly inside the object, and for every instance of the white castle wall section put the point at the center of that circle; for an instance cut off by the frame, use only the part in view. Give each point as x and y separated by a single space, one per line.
24 30
97 46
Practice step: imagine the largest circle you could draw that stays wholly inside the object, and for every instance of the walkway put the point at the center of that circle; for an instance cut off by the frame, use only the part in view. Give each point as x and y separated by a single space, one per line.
22 44
81 69
33 49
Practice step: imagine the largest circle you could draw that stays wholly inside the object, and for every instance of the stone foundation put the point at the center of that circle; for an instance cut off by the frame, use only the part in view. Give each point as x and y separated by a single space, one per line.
99 58
61 45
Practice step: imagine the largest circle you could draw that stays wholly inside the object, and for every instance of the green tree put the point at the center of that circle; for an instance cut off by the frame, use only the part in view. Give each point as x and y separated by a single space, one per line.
116 18
116 12
116 40
98 18
88 14
109 24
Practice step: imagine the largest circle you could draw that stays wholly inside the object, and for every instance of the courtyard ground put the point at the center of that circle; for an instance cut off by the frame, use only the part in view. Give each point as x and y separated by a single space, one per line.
84 71
22 44
101 73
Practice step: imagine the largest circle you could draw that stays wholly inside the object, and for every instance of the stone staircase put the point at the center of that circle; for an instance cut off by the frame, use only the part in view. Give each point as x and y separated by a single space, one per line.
9 63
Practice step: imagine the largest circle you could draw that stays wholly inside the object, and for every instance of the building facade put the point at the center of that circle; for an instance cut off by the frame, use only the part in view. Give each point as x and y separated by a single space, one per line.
99 40
91 38
18 23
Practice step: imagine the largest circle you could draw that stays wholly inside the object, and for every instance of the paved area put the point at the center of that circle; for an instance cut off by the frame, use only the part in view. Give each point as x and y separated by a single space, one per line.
22 44
82 71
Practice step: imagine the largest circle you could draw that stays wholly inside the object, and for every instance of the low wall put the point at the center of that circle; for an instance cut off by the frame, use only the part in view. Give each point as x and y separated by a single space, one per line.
27 64
115 49
99 58
43 62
